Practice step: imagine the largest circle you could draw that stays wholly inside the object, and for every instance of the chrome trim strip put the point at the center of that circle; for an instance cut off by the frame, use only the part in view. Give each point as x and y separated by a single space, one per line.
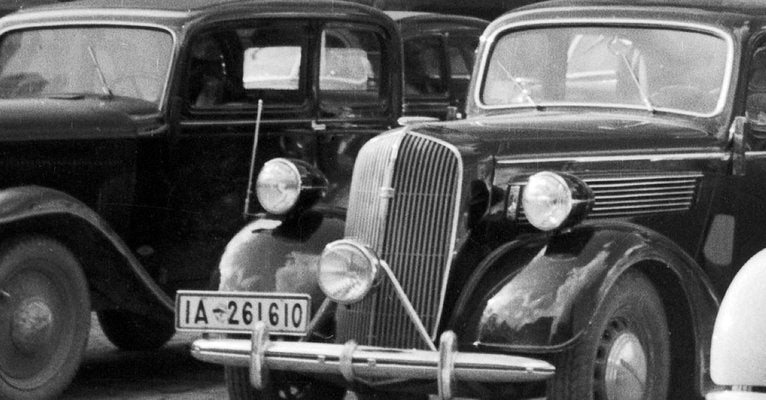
634 213
162 103
643 205
757 155
643 196
690 177
453 236
677 25
721 156
388 178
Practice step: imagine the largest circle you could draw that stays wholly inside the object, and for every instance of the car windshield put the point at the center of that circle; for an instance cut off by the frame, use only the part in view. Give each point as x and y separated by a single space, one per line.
117 61
650 68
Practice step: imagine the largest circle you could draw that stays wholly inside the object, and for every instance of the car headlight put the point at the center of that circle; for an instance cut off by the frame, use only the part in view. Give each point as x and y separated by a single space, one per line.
552 200
284 183
347 271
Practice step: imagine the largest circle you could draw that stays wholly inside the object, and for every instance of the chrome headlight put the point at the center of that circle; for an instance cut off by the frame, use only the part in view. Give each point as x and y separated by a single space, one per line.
284 183
551 200
347 271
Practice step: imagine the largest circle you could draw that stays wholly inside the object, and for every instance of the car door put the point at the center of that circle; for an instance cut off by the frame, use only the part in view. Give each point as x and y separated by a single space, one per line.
426 83
224 71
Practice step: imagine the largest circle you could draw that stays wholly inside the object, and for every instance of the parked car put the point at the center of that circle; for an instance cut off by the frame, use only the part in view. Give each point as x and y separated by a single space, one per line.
571 238
738 349
127 135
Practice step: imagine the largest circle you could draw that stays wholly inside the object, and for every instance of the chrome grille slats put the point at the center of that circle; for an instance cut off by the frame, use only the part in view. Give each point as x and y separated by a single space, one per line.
369 177
416 243
372 171
622 196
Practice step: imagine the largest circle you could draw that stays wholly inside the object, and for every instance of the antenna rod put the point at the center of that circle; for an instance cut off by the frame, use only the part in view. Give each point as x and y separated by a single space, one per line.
249 194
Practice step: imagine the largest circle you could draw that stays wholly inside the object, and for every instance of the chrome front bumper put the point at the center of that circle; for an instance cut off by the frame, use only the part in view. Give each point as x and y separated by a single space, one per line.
356 363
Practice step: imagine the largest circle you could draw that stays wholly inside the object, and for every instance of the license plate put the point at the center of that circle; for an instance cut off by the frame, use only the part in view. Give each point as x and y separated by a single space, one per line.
232 312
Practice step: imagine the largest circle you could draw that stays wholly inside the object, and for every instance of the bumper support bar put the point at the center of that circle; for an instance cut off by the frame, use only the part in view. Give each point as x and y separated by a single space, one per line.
445 366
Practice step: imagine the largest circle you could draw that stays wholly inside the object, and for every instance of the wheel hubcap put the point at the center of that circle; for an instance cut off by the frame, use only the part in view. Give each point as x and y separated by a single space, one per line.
626 368
31 324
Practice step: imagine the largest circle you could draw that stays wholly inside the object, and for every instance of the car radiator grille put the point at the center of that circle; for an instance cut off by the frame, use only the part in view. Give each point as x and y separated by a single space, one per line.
403 200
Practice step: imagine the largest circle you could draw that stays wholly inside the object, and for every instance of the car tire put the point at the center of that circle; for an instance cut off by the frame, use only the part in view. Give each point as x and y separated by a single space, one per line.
135 332
283 388
625 352
45 305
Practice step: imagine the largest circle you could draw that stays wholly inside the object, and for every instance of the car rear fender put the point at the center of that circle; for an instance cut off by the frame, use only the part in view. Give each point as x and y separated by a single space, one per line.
116 277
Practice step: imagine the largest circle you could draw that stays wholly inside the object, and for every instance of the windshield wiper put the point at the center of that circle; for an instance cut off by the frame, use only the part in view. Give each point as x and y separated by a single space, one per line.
519 85
104 85
620 47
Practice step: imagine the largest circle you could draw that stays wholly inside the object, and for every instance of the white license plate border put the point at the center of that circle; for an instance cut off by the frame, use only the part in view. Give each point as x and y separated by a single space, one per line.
260 295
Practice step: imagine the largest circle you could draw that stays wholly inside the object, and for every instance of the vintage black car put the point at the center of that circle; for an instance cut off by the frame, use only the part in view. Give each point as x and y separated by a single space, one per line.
572 238
127 134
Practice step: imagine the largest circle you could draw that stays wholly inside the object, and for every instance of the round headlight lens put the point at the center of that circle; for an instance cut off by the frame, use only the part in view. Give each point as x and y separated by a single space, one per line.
278 186
547 200
347 271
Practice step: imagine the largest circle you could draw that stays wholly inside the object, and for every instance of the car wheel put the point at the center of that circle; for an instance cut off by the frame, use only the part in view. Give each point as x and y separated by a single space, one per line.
284 386
624 354
135 332
45 313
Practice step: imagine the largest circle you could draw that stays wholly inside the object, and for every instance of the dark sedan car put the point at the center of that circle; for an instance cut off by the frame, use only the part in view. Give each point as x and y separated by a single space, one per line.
572 237
127 134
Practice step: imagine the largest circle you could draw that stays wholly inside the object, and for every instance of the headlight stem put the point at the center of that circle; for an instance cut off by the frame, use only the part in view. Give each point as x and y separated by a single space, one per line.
408 306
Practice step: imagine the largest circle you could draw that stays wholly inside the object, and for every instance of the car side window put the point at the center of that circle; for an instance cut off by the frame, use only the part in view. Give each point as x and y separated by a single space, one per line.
351 72
423 69
234 68
460 55
756 89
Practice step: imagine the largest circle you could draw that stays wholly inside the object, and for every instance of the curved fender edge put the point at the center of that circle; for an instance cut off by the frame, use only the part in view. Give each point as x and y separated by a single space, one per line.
540 295
107 260
275 255
738 351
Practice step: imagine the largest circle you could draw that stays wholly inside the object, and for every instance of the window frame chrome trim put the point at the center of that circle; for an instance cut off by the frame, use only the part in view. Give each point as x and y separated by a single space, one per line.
490 40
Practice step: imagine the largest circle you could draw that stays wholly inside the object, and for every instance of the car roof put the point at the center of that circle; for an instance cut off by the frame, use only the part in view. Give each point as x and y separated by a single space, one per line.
411 22
751 7
181 14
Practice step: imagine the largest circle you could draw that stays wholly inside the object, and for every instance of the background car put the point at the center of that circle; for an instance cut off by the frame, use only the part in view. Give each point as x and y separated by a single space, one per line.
738 350
587 217
128 130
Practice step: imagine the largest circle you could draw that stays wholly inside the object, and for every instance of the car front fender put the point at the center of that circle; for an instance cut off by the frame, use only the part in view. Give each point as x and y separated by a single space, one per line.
540 295
272 255
117 278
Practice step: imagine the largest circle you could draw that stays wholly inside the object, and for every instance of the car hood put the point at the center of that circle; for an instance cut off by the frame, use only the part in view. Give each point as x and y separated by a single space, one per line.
71 117
537 134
